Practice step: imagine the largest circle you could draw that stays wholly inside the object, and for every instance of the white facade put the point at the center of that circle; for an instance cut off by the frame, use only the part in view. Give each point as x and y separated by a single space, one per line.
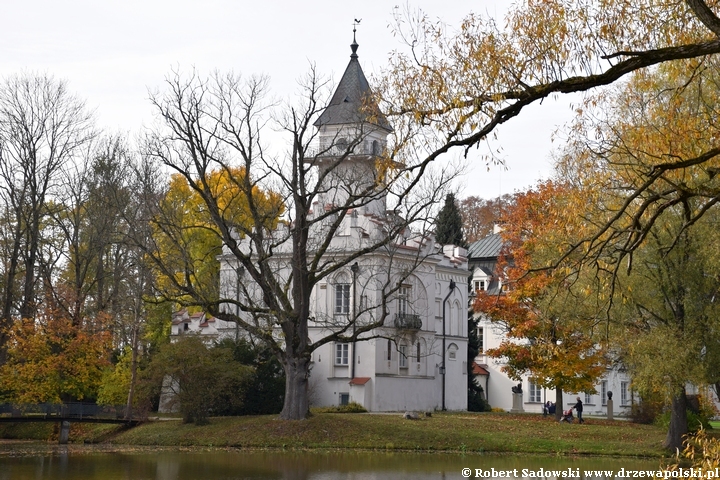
397 366
400 369
483 256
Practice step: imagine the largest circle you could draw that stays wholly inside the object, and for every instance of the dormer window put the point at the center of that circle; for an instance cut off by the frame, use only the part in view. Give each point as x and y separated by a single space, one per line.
482 276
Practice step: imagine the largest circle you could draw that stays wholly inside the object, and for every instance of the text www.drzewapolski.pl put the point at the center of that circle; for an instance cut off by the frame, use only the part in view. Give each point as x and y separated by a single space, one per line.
577 473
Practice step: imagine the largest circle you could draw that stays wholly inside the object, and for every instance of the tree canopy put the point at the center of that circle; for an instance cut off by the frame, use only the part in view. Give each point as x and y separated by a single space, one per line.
455 87
643 153
549 316
479 215
197 379
464 84
53 359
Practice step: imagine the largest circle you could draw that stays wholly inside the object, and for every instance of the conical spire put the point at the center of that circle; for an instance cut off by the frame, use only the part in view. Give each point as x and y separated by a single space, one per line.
347 104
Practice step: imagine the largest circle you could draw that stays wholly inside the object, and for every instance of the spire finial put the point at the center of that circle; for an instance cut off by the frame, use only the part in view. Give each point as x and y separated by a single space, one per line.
354 45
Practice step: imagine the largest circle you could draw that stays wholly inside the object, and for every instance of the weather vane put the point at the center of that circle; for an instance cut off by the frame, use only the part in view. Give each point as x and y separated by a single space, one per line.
354 45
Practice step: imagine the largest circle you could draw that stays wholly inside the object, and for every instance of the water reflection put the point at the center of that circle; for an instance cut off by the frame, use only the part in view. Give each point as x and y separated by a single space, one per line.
277 465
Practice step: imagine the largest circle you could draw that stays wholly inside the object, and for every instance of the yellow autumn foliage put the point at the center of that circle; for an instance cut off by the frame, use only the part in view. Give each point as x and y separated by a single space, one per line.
189 228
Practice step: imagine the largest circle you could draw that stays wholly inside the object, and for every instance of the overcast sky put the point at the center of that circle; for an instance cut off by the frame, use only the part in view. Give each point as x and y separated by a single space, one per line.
111 52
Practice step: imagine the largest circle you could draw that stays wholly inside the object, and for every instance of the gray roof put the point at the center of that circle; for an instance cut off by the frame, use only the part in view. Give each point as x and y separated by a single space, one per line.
488 247
347 104
485 270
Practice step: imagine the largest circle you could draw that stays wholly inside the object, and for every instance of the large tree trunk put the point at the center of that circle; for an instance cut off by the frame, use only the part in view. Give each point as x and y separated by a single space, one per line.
28 306
9 298
133 372
297 401
678 421
296 358
558 403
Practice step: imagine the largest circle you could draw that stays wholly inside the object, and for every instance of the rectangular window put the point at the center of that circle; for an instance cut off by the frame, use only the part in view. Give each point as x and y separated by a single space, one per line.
481 339
342 351
344 398
403 300
535 392
624 393
417 353
588 398
342 298
389 350
603 391
479 285
403 356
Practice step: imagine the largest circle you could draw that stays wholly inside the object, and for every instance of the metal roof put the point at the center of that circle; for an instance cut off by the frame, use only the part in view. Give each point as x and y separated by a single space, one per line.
488 247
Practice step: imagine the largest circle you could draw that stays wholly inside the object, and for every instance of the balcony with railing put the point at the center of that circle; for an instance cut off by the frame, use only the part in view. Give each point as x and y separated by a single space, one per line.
408 321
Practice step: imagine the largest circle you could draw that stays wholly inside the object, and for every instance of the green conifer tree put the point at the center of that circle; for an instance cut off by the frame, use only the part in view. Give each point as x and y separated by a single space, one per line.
476 400
448 224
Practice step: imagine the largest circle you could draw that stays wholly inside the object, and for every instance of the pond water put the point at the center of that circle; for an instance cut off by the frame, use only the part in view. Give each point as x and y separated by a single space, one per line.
30 461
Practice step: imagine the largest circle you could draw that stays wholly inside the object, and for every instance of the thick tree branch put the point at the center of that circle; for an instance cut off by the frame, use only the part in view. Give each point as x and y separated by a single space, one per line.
705 15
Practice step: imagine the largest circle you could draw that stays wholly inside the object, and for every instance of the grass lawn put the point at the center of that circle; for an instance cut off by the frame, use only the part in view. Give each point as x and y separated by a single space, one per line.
457 432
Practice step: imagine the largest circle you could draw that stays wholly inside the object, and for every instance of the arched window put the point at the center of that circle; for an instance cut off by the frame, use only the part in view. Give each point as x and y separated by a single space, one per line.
452 352
342 299
458 319
339 294
452 320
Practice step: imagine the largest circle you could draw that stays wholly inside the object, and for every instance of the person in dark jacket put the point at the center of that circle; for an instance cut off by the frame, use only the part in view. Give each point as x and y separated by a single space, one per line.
579 408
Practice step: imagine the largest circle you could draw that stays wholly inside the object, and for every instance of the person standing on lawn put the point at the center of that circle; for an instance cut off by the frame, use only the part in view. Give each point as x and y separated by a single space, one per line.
579 407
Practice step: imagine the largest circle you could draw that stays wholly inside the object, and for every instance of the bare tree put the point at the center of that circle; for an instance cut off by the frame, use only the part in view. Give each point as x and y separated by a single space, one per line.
42 128
288 222
138 284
